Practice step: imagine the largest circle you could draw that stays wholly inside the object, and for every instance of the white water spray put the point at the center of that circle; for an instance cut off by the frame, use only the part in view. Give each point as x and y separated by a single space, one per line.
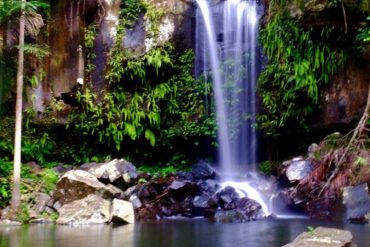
230 53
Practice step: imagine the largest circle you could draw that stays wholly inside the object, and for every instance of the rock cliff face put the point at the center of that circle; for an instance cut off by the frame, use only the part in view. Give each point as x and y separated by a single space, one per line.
345 98
65 30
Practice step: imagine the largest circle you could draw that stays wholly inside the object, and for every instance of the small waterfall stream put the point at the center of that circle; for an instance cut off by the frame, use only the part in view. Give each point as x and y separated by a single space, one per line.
227 46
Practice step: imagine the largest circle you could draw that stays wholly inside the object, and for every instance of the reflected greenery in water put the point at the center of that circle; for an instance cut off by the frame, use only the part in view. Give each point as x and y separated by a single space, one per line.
178 233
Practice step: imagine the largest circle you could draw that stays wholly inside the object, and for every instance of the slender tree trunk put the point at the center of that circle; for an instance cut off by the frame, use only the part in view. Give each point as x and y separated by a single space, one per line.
16 195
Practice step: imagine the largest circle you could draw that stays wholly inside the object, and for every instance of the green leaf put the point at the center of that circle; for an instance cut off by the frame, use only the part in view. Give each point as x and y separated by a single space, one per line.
149 135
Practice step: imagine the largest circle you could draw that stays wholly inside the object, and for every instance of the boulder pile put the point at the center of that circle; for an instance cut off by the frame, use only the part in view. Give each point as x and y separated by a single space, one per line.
115 192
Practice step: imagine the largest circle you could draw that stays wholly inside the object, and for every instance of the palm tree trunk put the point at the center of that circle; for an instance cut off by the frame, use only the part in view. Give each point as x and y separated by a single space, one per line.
16 195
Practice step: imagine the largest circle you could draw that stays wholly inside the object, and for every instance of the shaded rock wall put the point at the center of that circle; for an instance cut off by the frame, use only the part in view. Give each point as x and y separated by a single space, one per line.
66 34
345 98
66 31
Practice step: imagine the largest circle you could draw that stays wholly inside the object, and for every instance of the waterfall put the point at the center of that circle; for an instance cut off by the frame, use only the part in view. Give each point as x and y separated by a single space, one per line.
230 53
226 45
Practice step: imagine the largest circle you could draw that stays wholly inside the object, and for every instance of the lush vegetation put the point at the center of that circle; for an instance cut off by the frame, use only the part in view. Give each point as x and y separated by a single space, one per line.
151 97
300 62
153 111
32 183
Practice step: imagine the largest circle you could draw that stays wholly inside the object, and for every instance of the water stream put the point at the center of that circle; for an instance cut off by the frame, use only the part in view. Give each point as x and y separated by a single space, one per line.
171 233
226 45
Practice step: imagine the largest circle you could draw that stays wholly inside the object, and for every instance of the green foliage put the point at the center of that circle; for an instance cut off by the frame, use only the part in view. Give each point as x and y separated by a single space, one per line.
90 35
162 171
361 161
150 97
299 63
6 169
266 167
44 181
24 215
311 230
11 7
37 150
130 10
363 34
39 51
35 146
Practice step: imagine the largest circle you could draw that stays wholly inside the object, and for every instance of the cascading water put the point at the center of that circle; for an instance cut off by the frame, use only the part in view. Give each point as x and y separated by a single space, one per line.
230 53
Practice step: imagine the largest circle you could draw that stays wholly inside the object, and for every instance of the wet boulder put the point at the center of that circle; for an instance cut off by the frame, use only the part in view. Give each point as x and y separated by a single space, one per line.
202 170
244 209
78 184
281 201
177 184
92 209
185 175
324 237
298 169
208 186
145 192
183 208
230 216
122 212
205 205
250 208
227 198
204 201
356 200
147 213
179 190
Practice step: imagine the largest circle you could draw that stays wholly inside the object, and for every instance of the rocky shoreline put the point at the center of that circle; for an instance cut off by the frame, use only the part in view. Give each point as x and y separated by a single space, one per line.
115 192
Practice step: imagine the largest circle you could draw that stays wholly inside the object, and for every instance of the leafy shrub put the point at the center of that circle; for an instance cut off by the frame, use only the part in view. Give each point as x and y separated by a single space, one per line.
152 97
299 63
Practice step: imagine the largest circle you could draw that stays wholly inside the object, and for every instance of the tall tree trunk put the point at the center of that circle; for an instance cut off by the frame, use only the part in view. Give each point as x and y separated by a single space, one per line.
16 195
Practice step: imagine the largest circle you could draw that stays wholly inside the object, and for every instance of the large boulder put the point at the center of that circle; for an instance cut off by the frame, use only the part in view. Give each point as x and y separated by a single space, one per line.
244 210
227 198
205 201
202 170
77 184
122 212
298 169
91 210
112 170
323 237
356 201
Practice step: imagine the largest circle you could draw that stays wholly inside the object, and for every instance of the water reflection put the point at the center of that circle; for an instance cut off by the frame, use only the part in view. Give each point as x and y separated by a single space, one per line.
177 233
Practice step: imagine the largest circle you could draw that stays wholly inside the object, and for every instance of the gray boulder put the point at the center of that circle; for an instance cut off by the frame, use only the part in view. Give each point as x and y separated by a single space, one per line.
113 170
227 198
76 185
91 210
324 237
41 201
356 201
122 212
204 201
245 209
202 170
136 203
298 169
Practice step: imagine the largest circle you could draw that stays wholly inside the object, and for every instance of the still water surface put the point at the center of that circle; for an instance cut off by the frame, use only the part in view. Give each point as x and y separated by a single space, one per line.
174 233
